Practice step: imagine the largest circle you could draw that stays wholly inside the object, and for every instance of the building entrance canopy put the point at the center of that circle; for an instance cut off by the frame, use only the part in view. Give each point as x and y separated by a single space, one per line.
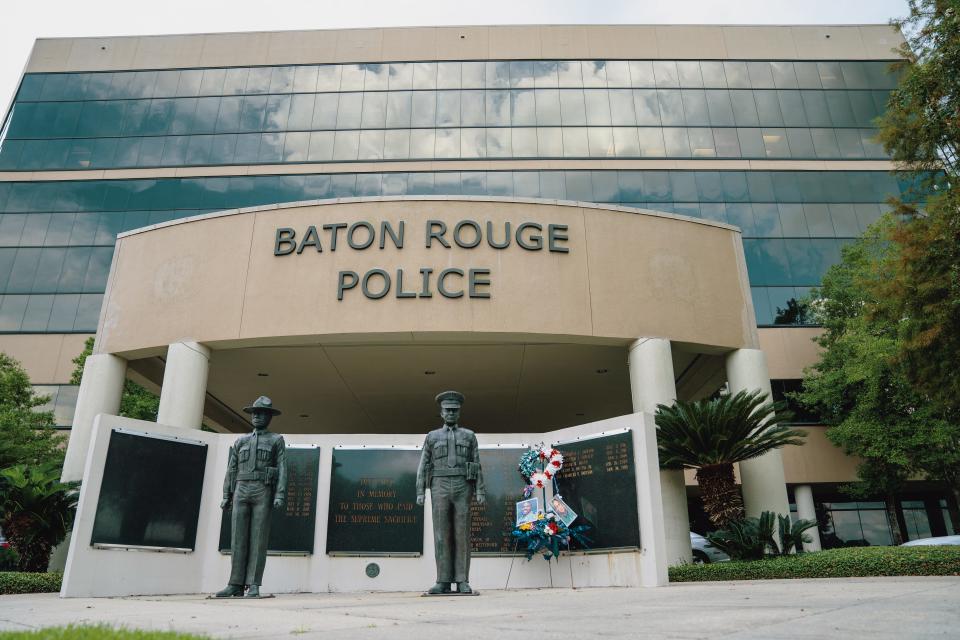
350 312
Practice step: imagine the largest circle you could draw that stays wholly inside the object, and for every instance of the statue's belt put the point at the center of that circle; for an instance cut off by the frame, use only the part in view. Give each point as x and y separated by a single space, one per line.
255 475
444 472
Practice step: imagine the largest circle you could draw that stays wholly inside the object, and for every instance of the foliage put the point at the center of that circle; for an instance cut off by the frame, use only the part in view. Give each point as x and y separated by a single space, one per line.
95 632
746 539
136 402
921 293
834 563
19 582
36 510
27 435
792 533
710 435
9 559
548 534
753 538
864 392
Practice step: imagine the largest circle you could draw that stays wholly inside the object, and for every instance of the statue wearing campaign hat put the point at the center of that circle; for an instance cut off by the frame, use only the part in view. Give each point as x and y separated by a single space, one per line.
256 483
450 468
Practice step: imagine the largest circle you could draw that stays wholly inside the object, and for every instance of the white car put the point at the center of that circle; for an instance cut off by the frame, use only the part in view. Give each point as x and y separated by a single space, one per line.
923 542
703 553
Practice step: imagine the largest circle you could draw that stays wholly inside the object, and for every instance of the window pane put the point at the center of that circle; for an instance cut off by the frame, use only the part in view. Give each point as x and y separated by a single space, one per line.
651 142
328 77
522 108
689 73
718 104
626 142
713 75
569 73
321 146
346 145
425 75
447 143
677 142
791 108
671 107
398 109
783 75
646 104
600 141
728 145
396 144
594 73
305 79
448 75
351 77
695 107
761 76
550 142
521 74
524 142
545 74
736 74
422 143
775 143
801 144
665 73
575 143
376 77
374 111
744 109
830 75
597 107
349 110
572 108
473 143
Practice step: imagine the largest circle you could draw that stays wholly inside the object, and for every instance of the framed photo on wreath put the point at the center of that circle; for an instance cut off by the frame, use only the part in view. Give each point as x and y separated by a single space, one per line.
563 511
527 510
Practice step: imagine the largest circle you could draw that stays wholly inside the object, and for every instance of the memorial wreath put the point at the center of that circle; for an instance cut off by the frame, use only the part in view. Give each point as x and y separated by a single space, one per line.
548 534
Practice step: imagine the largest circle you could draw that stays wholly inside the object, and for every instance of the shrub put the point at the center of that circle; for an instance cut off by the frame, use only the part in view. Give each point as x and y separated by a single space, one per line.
834 563
20 582
9 559
753 538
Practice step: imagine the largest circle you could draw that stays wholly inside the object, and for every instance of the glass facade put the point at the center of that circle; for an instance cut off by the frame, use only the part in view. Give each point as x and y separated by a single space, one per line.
447 110
57 237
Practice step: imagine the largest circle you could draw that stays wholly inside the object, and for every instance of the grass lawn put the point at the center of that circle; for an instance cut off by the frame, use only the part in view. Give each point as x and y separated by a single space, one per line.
97 632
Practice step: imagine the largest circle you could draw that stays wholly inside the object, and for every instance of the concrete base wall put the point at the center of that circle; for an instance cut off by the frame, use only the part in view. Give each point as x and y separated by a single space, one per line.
112 572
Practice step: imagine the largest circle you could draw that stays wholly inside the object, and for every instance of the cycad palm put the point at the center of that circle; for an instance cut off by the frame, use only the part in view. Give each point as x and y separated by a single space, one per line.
711 435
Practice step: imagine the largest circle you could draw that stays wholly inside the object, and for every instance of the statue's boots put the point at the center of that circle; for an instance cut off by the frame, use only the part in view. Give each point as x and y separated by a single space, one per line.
253 591
440 587
231 591
464 587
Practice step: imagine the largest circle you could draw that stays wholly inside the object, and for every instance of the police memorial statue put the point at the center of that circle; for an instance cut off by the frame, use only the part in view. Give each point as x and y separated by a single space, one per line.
450 468
256 483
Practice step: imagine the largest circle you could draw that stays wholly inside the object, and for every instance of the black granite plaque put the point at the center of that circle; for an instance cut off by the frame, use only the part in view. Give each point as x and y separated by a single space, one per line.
599 483
150 493
373 503
492 522
292 529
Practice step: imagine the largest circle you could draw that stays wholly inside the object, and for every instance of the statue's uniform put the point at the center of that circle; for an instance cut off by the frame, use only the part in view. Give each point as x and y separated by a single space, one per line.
450 467
256 472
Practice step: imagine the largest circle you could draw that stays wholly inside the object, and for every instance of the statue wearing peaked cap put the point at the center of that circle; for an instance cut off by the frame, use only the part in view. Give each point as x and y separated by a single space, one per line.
255 484
450 468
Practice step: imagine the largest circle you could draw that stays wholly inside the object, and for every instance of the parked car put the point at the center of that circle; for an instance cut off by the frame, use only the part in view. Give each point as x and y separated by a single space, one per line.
923 542
3 541
703 553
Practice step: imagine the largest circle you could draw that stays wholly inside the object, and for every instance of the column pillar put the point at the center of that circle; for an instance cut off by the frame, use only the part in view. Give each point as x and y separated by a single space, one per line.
184 385
651 383
763 482
803 494
100 391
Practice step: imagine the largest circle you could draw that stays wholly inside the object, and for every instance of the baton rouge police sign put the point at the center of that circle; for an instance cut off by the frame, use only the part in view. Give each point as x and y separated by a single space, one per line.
451 282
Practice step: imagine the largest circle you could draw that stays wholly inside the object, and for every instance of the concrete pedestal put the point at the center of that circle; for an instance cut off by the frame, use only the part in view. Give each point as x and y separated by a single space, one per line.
184 385
100 390
764 484
651 383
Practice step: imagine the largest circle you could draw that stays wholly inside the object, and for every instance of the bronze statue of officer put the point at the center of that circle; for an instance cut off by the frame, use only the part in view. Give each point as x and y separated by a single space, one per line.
450 468
256 483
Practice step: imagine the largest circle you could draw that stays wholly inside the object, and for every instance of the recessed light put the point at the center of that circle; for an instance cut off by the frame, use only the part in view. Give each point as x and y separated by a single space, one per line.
601 371
261 374
429 373
580 415
304 415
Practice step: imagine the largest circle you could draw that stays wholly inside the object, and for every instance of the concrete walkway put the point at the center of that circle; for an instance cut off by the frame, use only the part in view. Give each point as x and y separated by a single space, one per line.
879 608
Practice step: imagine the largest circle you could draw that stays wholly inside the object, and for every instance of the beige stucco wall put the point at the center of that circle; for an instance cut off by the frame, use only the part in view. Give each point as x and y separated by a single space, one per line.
216 279
47 358
806 42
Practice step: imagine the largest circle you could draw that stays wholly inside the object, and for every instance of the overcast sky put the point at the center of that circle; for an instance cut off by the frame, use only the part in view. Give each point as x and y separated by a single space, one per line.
22 21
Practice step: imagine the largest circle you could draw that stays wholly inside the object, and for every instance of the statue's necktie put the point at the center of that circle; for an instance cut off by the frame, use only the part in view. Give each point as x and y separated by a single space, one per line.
451 447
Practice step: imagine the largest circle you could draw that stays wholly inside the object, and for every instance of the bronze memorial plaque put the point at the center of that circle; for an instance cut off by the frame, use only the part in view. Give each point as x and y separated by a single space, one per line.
292 528
373 502
492 521
599 483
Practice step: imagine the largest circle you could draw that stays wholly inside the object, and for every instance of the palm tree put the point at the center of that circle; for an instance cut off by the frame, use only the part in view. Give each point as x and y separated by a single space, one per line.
36 510
711 435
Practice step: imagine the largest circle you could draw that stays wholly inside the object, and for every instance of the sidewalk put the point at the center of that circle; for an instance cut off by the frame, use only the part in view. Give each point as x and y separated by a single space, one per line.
892 608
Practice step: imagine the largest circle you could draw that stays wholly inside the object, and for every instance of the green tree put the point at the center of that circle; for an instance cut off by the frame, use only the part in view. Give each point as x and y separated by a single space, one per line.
136 401
36 511
921 131
27 434
711 435
863 390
